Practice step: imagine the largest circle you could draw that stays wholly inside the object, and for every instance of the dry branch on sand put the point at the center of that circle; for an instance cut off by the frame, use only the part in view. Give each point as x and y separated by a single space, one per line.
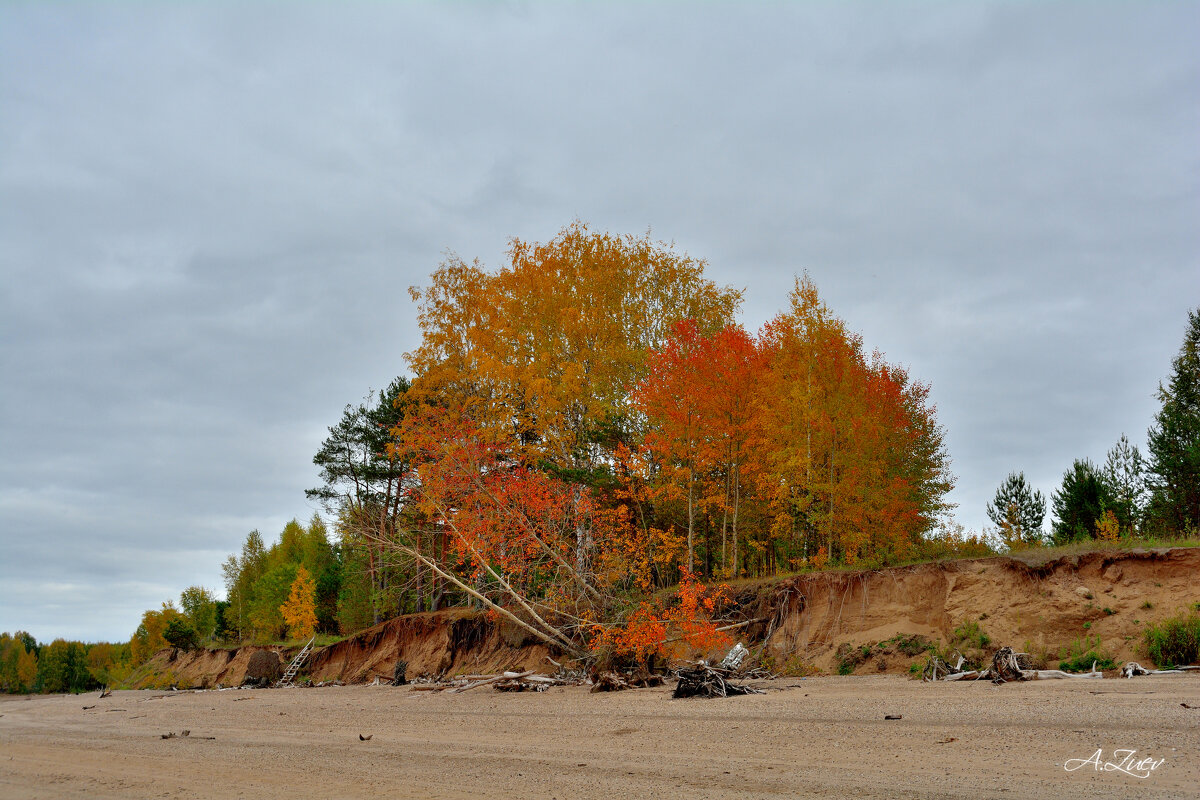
1007 665
1133 669
705 681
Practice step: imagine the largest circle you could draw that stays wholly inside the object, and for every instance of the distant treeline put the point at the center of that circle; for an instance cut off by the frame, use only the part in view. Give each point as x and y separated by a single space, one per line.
61 666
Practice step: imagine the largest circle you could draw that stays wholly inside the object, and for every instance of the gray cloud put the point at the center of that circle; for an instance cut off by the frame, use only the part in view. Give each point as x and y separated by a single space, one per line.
209 217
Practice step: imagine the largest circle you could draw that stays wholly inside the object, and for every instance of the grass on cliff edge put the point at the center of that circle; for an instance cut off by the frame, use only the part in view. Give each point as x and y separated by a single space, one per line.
1035 556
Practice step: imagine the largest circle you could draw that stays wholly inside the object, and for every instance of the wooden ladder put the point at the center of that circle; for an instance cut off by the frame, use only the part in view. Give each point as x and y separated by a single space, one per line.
294 667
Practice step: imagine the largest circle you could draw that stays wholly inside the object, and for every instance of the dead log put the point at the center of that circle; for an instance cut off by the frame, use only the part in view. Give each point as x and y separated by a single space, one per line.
1133 669
1054 674
494 679
705 681
609 682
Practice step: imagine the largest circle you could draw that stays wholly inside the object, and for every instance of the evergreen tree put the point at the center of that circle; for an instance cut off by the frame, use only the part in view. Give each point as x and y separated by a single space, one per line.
1018 510
363 485
1173 441
1080 504
180 633
1125 474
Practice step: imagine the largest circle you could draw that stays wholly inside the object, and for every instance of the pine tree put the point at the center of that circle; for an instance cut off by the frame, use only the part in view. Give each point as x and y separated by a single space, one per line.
1125 474
1173 440
1018 510
1080 504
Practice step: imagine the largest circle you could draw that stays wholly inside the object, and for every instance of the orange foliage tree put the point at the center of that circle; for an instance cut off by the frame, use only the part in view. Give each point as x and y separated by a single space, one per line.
587 420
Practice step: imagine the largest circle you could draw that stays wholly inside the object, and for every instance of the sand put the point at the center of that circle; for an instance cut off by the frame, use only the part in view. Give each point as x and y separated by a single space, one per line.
816 737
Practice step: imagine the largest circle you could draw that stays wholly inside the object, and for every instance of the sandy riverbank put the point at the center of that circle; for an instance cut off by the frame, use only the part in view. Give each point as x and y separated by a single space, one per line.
818 737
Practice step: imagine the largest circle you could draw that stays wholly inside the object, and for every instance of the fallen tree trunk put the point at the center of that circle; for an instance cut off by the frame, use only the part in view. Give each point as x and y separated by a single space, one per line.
1133 669
506 676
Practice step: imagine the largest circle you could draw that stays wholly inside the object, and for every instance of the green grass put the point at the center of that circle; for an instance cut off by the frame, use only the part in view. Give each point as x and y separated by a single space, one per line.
1174 642
1038 556
1082 653
969 634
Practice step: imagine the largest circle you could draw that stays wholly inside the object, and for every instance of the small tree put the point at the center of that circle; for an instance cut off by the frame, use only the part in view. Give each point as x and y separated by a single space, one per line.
300 610
1080 504
179 633
1124 472
200 608
1018 511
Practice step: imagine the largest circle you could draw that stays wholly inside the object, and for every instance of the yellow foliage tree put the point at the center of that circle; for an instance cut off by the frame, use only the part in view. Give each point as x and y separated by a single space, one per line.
300 610
26 668
548 348
148 639
1108 528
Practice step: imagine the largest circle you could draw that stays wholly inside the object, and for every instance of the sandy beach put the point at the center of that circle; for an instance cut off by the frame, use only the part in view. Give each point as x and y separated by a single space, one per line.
814 737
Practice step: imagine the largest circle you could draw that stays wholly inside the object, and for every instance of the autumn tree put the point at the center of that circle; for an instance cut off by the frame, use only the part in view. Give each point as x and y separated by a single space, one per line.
148 638
672 401
698 401
259 581
857 461
546 350
18 662
300 611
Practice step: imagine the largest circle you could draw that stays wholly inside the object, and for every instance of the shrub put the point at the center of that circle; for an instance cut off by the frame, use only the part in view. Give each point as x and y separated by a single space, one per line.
971 635
1174 642
1084 652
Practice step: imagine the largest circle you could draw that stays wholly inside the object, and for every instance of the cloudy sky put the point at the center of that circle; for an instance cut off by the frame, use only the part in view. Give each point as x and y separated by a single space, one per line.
209 218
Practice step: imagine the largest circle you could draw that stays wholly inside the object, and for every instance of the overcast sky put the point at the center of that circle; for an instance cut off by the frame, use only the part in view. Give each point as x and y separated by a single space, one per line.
209 217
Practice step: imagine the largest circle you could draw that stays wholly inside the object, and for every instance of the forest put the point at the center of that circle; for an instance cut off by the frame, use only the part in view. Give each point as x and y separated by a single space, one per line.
590 445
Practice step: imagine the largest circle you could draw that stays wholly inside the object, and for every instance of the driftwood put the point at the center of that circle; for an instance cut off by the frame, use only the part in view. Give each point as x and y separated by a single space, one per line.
1007 665
1133 669
734 658
617 682
494 679
705 681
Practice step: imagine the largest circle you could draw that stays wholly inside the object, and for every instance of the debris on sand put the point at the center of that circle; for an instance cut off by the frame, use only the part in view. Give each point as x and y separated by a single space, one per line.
705 681
616 682
1007 665
1133 669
